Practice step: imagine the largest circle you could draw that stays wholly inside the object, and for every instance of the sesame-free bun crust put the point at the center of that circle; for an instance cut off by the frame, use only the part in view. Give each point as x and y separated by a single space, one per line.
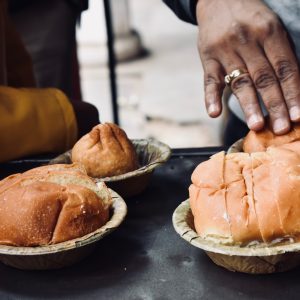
242 198
261 140
49 205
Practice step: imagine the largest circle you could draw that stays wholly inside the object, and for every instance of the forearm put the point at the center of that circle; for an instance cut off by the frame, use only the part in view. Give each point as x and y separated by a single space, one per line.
35 121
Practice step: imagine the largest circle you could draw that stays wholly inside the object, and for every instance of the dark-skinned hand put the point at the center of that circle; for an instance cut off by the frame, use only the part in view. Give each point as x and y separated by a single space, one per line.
247 35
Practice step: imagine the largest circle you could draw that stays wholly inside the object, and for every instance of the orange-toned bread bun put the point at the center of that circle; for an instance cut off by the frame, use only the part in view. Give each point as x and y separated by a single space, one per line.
260 141
50 204
242 198
105 151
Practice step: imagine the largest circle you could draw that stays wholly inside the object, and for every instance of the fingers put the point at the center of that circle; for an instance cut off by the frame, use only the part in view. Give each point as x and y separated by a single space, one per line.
266 83
260 46
213 86
286 68
243 88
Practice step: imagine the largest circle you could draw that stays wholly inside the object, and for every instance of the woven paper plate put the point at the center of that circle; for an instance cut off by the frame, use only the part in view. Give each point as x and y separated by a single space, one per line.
151 154
259 259
66 253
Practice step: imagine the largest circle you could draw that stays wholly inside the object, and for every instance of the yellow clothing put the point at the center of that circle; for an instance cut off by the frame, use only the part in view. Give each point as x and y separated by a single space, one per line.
35 121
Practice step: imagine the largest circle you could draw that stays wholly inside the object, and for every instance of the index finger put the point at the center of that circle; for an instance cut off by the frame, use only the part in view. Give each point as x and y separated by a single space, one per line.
213 86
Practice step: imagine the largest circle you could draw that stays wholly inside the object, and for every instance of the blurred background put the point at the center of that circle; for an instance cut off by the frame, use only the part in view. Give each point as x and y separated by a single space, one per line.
159 73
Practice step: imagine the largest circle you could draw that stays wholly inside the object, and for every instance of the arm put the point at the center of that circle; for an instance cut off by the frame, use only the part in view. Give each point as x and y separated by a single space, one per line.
35 121
247 35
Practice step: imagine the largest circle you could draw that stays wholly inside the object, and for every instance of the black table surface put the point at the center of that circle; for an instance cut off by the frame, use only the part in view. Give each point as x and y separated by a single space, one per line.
145 258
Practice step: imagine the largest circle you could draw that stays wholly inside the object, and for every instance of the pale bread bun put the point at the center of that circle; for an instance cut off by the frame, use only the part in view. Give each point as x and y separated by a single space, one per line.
105 151
75 168
12 179
243 198
208 182
51 204
261 140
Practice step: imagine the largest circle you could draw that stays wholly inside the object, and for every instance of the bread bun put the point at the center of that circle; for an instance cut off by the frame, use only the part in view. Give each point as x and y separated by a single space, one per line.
261 140
51 204
243 198
105 151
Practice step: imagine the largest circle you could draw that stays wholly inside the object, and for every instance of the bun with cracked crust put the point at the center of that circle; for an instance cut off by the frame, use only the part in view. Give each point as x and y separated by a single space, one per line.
105 151
49 205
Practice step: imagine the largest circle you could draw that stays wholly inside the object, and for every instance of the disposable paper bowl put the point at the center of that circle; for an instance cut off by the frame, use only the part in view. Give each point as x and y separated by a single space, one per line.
66 253
259 259
236 147
151 154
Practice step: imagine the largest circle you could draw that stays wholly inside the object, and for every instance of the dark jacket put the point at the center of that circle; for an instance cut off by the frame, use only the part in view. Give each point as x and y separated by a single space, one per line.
184 9
16 5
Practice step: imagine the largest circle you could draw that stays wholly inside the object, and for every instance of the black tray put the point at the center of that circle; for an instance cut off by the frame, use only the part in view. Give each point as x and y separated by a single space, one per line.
146 259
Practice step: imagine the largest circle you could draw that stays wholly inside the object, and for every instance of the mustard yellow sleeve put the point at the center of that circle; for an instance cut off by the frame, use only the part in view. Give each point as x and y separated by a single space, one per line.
35 121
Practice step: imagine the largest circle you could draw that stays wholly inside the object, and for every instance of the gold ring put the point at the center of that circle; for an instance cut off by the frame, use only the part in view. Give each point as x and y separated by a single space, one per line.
234 74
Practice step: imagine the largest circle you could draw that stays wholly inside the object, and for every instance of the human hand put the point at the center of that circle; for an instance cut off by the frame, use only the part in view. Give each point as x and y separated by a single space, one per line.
247 35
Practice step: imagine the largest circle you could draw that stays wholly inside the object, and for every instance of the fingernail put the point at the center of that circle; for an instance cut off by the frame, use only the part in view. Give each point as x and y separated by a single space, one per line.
280 126
255 121
212 109
295 113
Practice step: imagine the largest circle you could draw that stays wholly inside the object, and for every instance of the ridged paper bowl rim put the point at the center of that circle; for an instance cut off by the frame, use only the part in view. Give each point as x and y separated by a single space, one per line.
119 211
156 154
236 147
182 218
